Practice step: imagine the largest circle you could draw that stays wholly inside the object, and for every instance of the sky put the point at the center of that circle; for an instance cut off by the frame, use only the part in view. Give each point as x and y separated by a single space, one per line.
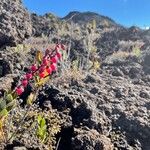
125 12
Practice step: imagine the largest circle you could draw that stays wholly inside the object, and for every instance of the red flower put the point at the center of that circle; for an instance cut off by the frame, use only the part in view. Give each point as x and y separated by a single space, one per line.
48 65
24 82
19 90
49 70
59 55
29 76
42 68
33 67
54 59
54 67
45 61
42 74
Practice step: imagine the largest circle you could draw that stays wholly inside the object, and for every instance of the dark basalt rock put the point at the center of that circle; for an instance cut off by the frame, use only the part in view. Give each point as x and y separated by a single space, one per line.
117 72
15 23
4 68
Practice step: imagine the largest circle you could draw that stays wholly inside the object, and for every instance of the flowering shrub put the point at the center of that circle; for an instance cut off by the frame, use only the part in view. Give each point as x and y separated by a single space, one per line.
45 65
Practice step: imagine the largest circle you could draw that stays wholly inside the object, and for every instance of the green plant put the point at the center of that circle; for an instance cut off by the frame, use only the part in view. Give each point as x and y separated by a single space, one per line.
48 125
42 128
96 65
45 65
136 51
75 65
7 103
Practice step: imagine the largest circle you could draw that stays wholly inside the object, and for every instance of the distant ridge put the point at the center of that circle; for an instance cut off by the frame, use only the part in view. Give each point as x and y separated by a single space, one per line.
85 17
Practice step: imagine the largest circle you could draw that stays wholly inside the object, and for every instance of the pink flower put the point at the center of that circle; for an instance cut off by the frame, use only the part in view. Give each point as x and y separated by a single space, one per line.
45 61
24 82
42 68
59 55
54 59
33 67
42 75
29 76
49 70
19 90
54 67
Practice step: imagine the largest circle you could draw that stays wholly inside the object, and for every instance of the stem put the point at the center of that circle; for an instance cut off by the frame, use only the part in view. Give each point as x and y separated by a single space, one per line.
57 146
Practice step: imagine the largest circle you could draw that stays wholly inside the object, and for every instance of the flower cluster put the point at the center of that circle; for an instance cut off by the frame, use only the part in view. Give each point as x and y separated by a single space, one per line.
45 67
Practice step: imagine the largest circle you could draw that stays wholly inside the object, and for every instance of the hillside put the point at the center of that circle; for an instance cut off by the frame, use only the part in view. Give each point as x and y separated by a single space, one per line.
85 17
100 97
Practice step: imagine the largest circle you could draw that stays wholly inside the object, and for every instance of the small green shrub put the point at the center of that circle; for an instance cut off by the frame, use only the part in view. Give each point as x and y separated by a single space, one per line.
42 128
136 51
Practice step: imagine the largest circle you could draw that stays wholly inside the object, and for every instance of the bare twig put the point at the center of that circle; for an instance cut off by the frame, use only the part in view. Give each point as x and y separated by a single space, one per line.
57 146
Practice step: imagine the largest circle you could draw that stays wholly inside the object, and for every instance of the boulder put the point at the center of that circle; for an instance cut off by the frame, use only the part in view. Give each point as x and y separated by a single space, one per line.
90 140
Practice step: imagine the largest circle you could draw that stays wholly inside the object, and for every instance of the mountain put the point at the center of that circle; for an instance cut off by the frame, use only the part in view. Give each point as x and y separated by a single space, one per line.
85 17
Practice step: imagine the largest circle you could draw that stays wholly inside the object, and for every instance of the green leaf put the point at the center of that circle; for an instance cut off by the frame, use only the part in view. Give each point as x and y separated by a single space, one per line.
42 123
39 119
64 54
40 132
42 81
9 98
37 79
42 128
10 105
14 94
3 113
5 93
2 104
30 99
39 56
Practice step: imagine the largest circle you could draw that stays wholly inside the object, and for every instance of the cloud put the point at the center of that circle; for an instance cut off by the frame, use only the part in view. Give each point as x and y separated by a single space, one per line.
147 28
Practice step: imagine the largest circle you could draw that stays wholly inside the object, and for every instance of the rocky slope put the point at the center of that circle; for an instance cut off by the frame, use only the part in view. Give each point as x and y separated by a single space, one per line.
104 33
109 110
15 22
105 110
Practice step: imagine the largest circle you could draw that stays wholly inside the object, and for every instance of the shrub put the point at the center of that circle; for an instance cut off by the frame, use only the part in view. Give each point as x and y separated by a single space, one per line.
136 51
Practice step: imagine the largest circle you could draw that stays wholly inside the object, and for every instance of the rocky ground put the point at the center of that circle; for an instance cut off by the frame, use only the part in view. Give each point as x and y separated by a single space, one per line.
109 110
106 109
